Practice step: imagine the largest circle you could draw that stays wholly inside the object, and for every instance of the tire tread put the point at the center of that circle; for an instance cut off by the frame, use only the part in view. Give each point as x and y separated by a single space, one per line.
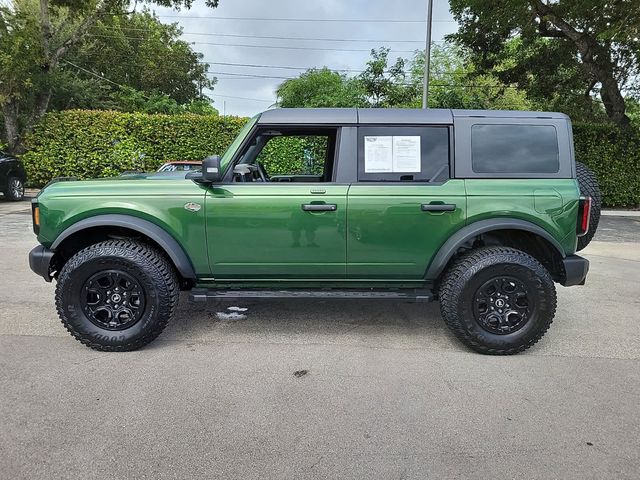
452 286
133 250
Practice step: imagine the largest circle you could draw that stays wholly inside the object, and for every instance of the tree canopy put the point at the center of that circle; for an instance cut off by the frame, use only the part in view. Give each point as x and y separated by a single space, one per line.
578 49
398 83
55 53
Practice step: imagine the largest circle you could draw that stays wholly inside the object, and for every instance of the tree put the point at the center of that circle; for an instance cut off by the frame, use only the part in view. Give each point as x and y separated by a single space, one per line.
454 84
139 51
35 39
387 86
600 37
321 88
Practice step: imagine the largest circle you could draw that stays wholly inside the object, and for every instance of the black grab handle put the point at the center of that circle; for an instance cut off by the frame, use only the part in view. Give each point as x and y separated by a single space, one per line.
319 207
438 207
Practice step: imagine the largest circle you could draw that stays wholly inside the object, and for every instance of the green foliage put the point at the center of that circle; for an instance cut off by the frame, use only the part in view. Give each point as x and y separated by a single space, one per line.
143 54
562 52
76 53
321 88
89 144
295 155
93 144
614 155
454 84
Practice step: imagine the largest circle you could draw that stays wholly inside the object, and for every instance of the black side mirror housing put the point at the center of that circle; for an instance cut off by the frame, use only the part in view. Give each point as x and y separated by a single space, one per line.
211 171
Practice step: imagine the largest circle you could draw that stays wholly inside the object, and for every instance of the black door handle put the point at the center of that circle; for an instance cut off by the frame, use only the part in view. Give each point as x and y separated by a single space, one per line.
319 207
438 207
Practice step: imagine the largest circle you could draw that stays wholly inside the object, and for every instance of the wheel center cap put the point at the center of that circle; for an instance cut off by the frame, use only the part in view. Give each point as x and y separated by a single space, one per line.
500 302
115 298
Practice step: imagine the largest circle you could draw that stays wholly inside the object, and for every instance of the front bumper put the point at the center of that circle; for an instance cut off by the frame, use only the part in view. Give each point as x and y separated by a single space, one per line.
575 270
40 261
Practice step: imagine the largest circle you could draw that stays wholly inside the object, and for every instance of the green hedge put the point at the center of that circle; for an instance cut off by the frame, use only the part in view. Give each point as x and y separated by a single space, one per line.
94 143
614 156
88 144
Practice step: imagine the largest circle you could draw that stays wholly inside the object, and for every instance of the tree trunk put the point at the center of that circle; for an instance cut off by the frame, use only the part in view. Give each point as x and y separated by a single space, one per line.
11 127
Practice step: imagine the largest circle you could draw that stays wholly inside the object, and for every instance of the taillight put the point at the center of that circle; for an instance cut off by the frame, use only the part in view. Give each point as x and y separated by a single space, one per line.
584 213
35 216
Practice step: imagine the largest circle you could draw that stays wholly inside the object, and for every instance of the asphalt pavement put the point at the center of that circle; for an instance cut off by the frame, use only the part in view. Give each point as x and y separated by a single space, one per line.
323 389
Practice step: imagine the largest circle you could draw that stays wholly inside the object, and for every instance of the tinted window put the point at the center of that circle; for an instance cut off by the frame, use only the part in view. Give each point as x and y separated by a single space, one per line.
418 154
514 149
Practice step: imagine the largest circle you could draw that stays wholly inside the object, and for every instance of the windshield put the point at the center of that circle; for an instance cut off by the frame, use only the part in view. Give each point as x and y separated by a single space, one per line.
230 152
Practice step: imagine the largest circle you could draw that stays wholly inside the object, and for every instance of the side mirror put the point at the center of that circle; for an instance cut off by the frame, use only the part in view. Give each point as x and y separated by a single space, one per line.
211 172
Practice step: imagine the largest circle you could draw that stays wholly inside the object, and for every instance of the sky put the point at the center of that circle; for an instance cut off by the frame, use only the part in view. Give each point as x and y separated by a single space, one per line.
219 33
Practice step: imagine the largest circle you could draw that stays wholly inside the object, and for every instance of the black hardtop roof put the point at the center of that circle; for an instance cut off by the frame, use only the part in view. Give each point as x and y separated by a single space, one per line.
413 116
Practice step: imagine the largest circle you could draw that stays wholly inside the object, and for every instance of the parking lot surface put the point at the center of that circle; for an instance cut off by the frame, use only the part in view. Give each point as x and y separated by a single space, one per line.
323 389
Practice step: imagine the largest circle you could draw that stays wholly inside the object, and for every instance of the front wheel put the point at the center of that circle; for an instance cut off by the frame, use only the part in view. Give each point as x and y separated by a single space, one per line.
15 189
116 295
498 300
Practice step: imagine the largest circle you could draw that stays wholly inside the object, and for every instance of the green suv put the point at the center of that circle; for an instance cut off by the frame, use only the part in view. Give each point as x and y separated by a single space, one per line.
481 210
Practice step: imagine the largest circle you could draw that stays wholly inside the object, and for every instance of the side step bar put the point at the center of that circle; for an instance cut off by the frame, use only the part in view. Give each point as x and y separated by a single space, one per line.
414 295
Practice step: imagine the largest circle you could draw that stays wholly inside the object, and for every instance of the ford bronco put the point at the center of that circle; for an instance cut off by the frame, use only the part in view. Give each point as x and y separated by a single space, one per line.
481 210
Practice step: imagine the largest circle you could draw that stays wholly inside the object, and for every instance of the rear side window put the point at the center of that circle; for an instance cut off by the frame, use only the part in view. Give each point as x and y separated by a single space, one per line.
403 154
514 149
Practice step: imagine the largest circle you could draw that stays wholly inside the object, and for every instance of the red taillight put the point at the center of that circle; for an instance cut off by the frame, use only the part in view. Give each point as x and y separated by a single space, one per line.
584 213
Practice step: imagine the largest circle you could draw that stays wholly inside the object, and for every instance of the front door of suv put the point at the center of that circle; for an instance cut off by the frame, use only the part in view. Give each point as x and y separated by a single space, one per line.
280 217
404 205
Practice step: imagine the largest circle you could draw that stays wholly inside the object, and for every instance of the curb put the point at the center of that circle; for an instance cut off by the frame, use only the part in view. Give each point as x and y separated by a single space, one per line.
620 213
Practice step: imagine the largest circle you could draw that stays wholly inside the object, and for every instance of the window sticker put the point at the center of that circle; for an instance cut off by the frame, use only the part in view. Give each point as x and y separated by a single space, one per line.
391 154
406 154
378 154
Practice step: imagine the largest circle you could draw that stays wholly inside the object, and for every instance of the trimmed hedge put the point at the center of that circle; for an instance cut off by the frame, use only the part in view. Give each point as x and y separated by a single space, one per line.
86 144
614 156
95 143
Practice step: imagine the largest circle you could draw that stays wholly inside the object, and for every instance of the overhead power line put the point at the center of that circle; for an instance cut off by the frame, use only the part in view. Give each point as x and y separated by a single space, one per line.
271 37
325 20
285 47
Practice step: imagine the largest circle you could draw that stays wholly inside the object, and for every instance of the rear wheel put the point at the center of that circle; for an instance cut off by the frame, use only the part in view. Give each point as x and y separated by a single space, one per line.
15 189
498 300
589 187
117 295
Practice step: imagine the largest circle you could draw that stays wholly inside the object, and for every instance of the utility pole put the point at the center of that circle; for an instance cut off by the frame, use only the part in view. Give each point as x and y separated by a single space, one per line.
427 57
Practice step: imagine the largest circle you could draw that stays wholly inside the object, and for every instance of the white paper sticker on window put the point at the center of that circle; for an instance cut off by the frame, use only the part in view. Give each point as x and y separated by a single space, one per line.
392 154
406 154
378 154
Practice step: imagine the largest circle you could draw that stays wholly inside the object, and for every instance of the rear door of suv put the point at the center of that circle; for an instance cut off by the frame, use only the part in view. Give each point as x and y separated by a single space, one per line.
404 205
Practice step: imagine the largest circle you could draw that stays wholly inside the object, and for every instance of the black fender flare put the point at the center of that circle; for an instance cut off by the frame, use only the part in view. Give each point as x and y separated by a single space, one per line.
456 240
169 244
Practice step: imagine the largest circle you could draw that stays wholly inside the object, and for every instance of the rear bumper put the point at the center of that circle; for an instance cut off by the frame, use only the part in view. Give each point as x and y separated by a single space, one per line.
575 270
40 260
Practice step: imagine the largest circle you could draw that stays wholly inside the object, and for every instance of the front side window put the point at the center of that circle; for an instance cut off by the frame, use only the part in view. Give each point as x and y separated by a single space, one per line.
288 155
295 155
400 154
514 149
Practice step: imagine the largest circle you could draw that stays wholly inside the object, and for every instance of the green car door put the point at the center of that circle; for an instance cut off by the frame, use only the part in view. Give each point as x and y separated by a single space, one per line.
397 220
273 231
275 225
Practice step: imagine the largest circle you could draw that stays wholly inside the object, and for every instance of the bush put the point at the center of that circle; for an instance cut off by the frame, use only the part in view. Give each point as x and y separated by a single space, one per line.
88 144
95 143
614 156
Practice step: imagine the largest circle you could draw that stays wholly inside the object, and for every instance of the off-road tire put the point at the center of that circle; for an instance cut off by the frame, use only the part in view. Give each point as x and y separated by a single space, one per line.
12 193
458 290
589 186
150 268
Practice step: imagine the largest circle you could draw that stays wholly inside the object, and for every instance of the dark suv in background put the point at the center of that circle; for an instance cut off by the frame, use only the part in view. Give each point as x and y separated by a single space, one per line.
12 177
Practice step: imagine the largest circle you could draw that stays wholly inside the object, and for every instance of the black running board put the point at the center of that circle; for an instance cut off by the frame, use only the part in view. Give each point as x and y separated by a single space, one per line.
413 295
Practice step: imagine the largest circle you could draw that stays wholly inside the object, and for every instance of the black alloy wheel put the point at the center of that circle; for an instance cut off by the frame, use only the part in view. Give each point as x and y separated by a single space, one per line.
113 300
502 305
